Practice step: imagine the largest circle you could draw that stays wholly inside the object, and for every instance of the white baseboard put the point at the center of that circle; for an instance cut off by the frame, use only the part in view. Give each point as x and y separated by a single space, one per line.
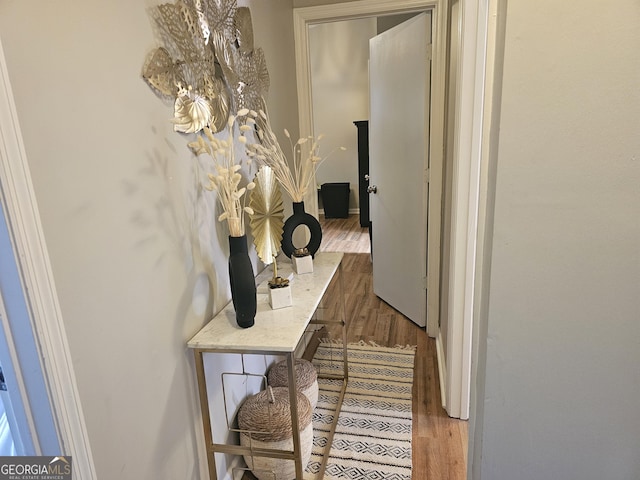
442 369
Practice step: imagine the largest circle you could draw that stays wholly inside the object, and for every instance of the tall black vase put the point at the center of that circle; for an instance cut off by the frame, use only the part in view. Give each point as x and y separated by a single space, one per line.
243 282
300 217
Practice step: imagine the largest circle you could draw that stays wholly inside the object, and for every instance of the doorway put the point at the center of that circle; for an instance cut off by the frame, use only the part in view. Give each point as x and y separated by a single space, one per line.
378 69
303 19
455 367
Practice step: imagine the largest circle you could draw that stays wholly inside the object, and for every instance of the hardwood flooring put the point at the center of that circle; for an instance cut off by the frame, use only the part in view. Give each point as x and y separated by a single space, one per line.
344 235
439 442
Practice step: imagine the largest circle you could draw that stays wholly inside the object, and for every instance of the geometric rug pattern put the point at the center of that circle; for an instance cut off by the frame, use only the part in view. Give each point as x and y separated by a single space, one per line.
373 434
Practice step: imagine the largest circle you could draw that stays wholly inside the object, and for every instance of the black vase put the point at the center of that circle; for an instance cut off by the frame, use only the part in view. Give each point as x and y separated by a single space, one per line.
300 217
242 281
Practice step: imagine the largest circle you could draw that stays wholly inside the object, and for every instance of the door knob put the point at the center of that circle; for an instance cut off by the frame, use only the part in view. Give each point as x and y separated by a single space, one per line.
366 177
372 189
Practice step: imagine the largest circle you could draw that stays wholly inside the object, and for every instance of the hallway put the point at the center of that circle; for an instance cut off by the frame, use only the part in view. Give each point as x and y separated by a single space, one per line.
439 442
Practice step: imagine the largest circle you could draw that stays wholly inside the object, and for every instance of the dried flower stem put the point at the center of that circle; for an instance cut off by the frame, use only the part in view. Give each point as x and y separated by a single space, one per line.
297 177
227 177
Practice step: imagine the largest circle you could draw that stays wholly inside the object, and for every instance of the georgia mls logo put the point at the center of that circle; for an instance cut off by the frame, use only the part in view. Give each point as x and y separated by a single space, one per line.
60 466
35 468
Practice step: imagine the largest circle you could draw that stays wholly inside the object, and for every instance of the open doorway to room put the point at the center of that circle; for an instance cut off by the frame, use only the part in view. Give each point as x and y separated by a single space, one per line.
369 76
439 441
339 63
304 19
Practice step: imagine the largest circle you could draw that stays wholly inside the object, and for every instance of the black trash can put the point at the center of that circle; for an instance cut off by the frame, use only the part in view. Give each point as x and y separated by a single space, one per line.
335 199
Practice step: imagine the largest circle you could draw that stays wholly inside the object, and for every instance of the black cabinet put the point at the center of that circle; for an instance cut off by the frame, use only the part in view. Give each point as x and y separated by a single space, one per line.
363 171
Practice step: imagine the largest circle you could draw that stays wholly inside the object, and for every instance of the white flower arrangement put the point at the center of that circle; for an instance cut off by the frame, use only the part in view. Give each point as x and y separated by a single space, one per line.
296 177
226 179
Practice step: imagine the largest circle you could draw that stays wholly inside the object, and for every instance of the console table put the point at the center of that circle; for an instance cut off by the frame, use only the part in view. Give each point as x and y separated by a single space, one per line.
276 332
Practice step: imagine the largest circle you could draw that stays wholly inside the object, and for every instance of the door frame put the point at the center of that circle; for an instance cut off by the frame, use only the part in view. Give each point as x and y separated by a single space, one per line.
304 17
455 358
23 221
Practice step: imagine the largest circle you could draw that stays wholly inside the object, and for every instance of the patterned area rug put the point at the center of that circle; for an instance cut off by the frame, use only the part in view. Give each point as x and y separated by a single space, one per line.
373 435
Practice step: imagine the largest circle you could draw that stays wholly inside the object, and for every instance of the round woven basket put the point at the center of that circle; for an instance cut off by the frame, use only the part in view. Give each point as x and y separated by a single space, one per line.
306 378
265 419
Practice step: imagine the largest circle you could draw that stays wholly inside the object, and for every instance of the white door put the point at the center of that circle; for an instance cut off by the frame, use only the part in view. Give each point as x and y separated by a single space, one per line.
399 86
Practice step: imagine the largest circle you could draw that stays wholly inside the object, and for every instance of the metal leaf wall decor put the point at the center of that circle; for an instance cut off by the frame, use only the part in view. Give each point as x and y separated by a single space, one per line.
243 29
161 73
207 62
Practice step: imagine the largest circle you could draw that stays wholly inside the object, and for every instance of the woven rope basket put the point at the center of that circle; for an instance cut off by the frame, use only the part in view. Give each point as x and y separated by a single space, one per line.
306 378
266 418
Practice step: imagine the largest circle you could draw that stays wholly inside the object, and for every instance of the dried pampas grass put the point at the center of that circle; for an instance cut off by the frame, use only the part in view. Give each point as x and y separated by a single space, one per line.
295 177
226 179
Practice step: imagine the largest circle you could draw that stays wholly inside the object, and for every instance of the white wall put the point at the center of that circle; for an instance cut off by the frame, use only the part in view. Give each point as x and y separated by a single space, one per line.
558 376
139 263
339 57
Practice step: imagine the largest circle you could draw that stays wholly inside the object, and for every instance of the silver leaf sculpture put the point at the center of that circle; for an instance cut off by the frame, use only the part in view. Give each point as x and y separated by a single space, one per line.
207 62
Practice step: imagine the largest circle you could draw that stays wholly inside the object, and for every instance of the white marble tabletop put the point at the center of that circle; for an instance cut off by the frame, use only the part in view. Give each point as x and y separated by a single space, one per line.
274 330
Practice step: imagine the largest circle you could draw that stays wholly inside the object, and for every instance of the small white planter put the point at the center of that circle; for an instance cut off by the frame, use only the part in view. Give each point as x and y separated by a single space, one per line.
280 297
302 264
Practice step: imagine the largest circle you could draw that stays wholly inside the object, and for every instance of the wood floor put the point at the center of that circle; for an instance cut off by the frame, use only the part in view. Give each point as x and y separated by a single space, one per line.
439 442
344 235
